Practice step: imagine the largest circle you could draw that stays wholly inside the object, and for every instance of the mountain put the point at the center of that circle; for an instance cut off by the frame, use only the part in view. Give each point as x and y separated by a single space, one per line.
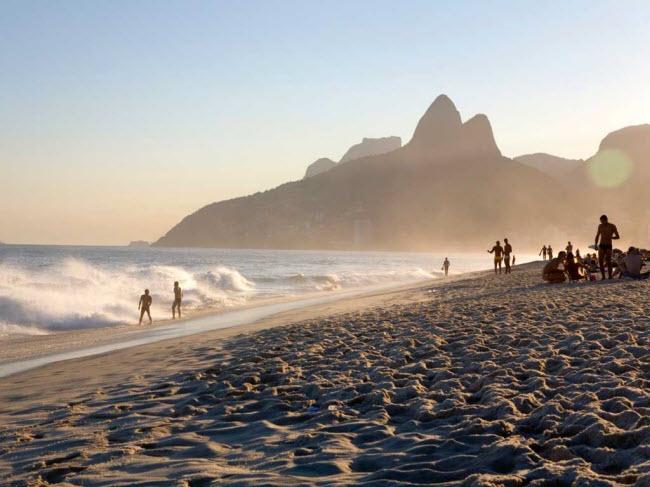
615 181
319 166
367 147
371 147
554 166
449 187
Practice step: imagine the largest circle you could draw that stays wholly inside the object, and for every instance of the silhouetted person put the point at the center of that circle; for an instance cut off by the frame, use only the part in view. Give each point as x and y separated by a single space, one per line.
549 252
632 264
145 305
178 298
507 250
543 252
552 272
574 269
513 260
569 248
606 233
445 266
497 250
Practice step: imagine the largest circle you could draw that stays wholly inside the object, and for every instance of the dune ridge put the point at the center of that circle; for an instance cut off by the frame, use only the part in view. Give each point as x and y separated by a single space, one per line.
481 381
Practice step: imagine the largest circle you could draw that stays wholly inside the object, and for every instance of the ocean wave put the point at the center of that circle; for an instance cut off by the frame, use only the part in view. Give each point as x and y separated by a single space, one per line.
347 279
43 297
75 294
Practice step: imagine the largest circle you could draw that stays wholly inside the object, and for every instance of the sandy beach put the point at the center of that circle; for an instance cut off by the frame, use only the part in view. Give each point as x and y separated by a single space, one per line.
479 380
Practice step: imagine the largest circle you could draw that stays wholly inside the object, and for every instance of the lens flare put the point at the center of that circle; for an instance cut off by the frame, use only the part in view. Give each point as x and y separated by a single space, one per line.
610 168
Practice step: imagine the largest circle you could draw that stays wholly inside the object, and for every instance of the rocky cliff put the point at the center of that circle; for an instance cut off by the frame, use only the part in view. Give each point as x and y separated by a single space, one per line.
367 147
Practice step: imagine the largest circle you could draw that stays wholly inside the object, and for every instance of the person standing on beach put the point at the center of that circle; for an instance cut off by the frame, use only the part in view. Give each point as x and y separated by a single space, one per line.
569 247
507 250
145 305
497 250
178 298
445 266
549 252
543 252
606 233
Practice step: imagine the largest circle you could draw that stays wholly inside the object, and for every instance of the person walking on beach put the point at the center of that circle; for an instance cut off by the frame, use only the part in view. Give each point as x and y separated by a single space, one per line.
569 248
549 252
543 252
604 236
507 250
445 266
497 250
178 297
145 305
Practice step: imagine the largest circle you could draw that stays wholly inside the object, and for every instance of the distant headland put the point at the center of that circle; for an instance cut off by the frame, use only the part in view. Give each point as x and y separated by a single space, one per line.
448 187
139 243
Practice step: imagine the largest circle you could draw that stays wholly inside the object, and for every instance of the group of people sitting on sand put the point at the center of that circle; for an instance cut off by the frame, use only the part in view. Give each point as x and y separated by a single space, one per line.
575 267
144 305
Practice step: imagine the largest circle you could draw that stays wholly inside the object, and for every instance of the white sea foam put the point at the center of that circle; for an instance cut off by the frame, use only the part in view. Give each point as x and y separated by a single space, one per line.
48 289
75 294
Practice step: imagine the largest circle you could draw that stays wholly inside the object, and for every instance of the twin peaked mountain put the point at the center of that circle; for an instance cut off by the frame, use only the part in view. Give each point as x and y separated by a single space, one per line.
448 187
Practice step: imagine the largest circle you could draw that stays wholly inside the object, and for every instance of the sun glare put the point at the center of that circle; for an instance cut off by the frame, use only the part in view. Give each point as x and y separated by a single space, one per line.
610 168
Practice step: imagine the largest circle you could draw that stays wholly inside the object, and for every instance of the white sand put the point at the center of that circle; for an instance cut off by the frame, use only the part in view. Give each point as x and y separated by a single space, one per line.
484 381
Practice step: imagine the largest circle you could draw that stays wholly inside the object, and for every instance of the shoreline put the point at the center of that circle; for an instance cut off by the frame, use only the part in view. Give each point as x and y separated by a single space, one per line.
23 353
482 380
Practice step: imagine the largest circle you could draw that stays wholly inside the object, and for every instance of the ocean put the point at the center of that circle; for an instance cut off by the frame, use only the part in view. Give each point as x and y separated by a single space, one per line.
45 289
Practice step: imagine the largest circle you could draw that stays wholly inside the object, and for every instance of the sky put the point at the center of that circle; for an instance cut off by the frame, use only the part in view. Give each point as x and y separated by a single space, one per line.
118 118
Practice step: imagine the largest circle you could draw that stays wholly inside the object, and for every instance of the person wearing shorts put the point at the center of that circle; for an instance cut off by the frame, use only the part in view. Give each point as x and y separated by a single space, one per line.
507 250
607 232
497 250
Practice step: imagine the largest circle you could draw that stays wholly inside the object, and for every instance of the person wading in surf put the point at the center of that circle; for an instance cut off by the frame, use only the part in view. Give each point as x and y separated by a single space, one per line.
145 305
178 298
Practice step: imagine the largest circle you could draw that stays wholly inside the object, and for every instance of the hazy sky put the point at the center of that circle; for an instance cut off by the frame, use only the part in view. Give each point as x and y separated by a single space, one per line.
118 118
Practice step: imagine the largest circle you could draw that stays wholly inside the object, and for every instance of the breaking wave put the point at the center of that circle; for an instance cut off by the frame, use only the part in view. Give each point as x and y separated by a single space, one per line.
75 294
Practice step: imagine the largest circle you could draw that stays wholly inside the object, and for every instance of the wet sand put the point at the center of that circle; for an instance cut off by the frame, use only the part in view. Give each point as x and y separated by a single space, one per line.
476 381
21 353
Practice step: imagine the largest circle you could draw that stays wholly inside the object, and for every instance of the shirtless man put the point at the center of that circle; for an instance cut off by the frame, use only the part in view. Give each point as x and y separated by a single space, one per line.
445 266
507 250
178 298
543 252
549 252
552 272
606 233
497 250
145 305
569 248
